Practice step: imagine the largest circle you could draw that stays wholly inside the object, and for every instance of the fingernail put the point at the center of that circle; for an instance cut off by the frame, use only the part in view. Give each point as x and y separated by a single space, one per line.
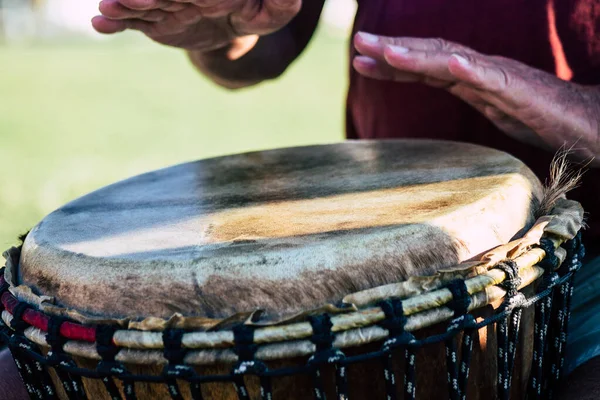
398 49
461 60
366 60
369 38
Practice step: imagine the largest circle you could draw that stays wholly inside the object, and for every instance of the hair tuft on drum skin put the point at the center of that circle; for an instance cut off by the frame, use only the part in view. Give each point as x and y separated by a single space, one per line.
563 178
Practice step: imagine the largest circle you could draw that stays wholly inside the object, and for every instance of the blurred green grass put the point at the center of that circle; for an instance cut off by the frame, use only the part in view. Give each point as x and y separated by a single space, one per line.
81 114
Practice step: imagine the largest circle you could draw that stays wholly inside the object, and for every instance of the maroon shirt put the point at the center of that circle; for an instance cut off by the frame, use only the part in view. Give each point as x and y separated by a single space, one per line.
523 30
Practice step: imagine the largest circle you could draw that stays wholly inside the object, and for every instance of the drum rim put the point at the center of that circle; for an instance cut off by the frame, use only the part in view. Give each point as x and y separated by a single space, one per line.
562 224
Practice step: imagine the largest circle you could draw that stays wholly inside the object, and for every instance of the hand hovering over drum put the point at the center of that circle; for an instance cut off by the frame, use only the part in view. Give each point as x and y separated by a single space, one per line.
235 43
528 104
197 24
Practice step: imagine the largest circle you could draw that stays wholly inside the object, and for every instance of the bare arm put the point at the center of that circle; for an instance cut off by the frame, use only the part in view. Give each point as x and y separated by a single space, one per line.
250 60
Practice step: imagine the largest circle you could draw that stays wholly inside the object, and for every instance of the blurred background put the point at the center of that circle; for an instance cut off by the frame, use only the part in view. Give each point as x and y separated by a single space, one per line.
79 110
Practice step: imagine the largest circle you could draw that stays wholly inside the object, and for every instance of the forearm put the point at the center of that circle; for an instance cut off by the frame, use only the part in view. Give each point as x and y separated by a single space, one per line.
245 62
267 59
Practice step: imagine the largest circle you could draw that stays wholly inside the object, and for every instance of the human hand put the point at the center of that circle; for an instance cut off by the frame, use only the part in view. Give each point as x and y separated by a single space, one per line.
200 25
530 105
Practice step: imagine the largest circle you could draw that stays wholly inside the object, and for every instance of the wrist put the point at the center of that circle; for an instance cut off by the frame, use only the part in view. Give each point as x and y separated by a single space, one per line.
233 50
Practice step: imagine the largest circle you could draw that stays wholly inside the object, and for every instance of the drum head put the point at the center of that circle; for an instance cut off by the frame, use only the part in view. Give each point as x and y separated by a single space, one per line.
282 231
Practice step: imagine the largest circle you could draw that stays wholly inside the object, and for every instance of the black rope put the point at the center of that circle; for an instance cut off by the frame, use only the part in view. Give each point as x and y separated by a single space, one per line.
174 354
245 348
561 314
108 367
458 369
461 299
550 262
176 369
543 313
507 330
71 383
35 376
33 373
395 322
325 354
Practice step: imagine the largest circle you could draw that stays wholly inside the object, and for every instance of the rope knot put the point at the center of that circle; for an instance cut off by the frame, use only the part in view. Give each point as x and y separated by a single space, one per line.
550 262
461 299
513 281
395 320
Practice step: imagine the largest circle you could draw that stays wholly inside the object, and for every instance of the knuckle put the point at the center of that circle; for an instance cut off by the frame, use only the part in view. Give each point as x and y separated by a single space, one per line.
439 44
504 80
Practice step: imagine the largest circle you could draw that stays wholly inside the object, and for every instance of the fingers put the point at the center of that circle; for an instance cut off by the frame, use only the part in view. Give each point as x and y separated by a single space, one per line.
174 17
108 26
426 63
114 10
375 69
374 45
144 5
422 58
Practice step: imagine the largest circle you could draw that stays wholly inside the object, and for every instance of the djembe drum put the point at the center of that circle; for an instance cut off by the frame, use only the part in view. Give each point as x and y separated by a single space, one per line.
301 273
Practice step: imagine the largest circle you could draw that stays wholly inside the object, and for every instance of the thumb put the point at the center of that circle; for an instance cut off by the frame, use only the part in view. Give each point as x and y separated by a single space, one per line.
264 17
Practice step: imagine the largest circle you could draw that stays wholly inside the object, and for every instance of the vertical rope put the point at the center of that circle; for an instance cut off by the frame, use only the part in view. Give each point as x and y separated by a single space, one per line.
513 341
465 364
394 322
390 376
534 387
36 376
410 386
543 312
561 314
502 338
108 367
325 354
458 369
196 391
507 329
72 384
174 354
452 369
245 348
